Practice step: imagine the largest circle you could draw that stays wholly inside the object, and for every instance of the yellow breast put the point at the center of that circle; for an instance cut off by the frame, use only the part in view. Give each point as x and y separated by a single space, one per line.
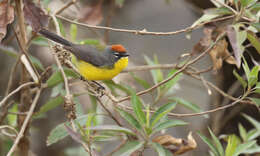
91 72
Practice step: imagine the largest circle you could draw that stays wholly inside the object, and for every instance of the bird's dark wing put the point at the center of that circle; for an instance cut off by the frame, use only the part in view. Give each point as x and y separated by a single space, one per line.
88 54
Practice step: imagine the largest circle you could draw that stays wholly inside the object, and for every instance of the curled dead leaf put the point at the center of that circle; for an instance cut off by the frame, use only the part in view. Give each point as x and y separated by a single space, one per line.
176 145
204 42
6 17
35 16
220 53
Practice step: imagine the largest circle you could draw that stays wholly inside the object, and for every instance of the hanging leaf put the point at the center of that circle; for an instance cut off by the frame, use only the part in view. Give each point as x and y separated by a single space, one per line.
6 17
237 38
35 16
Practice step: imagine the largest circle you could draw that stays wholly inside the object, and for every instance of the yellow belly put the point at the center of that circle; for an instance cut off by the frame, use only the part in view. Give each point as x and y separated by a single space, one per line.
91 72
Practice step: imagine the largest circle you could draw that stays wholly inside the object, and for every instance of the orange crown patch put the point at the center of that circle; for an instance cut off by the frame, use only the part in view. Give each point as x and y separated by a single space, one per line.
118 48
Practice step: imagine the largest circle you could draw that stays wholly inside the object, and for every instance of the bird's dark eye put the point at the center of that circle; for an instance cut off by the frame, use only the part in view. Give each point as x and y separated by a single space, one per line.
119 55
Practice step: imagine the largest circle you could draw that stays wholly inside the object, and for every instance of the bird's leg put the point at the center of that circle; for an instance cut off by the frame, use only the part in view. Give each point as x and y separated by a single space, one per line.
100 87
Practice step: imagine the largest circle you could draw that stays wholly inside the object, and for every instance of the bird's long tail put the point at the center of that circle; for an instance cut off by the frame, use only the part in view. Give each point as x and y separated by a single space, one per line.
54 37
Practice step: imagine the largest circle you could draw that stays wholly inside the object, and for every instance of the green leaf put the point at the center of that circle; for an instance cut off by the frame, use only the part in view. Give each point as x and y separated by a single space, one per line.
167 86
254 41
128 148
120 3
253 76
138 106
161 112
187 104
88 124
242 132
257 88
255 100
233 142
160 150
111 128
36 62
12 118
217 4
62 30
73 32
246 3
246 69
256 25
57 78
168 124
205 18
60 132
240 79
129 118
217 144
41 41
255 7
156 74
209 143
243 147
51 104
252 134
253 121
140 81
90 42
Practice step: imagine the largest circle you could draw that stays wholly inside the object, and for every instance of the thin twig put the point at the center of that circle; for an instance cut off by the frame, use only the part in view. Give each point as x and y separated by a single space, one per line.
176 73
25 123
15 91
227 6
109 112
65 7
144 31
190 114
149 67
9 127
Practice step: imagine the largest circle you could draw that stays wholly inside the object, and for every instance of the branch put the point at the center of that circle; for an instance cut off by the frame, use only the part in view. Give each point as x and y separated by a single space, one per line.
174 75
25 123
144 31
65 7
15 91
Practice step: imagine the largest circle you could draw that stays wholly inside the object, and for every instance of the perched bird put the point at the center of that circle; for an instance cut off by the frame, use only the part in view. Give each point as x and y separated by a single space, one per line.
90 62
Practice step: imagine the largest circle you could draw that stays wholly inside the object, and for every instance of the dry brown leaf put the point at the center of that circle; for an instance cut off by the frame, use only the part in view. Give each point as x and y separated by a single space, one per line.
6 17
92 14
220 53
204 42
176 145
34 16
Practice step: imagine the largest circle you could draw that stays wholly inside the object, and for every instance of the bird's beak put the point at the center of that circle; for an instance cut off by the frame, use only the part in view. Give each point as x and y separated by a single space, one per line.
124 54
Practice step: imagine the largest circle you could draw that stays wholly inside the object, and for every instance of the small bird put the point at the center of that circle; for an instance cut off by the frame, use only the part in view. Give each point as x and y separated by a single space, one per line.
90 62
